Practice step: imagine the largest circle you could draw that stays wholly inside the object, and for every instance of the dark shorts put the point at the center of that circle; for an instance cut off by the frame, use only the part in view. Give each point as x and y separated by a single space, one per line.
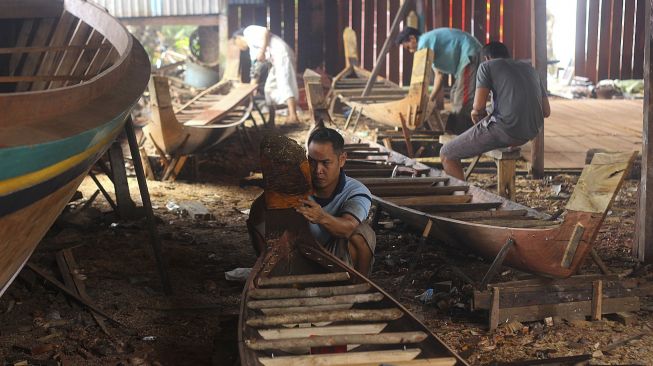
484 136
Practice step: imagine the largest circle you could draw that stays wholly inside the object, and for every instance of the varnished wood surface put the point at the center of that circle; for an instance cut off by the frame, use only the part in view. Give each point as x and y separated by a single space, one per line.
576 126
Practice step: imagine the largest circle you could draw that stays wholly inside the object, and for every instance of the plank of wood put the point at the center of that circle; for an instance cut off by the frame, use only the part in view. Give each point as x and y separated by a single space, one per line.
299 279
567 310
223 106
597 299
284 293
428 190
402 181
336 340
495 309
43 31
23 37
85 59
430 200
325 316
572 245
285 333
485 214
305 309
349 358
599 182
59 38
471 206
523 222
315 301
441 361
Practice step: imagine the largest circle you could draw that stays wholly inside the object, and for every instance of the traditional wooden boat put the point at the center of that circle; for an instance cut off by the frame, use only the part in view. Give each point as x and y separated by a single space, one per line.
388 103
464 215
302 306
203 122
69 76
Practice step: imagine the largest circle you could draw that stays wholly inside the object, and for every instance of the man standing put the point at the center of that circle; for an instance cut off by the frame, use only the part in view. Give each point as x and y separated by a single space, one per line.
456 53
519 107
281 83
336 211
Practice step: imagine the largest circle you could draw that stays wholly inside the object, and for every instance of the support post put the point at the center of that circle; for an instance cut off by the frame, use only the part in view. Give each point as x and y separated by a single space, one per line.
124 202
380 59
538 58
223 33
643 243
496 264
147 204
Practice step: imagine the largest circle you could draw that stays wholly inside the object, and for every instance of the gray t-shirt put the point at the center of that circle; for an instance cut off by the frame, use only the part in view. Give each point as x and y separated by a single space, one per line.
351 197
517 96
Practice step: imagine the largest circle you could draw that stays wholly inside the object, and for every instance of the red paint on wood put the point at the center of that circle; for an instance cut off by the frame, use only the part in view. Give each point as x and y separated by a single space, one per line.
456 14
495 20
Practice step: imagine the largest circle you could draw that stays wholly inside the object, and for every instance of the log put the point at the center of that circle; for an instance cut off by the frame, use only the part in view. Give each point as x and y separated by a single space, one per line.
416 191
337 340
285 333
349 358
315 301
297 279
284 293
305 309
325 316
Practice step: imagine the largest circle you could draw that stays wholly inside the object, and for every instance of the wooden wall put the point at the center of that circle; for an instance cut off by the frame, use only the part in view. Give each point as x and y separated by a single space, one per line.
609 42
610 39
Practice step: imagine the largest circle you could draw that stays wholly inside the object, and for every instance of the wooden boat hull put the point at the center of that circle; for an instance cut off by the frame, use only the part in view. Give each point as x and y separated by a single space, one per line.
54 133
294 254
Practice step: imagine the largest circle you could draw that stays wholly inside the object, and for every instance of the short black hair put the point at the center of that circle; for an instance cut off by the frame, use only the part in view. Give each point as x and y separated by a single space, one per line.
405 34
238 33
495 50
325 134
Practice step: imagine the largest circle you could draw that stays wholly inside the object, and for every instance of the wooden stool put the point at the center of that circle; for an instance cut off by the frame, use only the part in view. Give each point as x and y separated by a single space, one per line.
506 161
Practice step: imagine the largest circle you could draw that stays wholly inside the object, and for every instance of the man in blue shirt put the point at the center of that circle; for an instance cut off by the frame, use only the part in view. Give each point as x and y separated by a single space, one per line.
336 211
456 53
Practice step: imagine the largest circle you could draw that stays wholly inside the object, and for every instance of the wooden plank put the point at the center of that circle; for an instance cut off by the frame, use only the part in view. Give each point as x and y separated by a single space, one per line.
23 37
381 35
441 361
485 214
99 59
304 309
336 340
592 41
402 181
627 51
348 358
509 24
368 56
430 200
615 39
285 333
315 301
59 38
572 245
71 56
325 316
567 310
479 14
581 36
298 279
275 17
495 20
444 207
495 309
331 39
599 182
289 22
306 45
456 12
416 191
643 242
640 40
604 37
539 61
394 51
94 43
407 57
209 115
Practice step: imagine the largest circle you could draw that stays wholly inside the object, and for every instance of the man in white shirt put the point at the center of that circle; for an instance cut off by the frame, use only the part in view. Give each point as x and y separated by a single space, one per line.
281 83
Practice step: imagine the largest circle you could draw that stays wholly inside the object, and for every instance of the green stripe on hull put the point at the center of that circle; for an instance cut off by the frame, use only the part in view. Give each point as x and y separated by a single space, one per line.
18 161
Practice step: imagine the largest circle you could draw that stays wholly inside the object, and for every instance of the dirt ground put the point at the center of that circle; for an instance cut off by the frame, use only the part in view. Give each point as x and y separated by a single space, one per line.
197 325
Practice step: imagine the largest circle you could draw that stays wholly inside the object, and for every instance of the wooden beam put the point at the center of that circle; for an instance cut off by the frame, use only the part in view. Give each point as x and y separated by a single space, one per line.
538 58
335 340
643 243
315 301
284 293
259 321
348 358
285 333
297 279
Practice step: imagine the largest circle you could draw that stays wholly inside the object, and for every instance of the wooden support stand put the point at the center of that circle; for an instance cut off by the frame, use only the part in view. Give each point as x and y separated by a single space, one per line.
506 160
572 298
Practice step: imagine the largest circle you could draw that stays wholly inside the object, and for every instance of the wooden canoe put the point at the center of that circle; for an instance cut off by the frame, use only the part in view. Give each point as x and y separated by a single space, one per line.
69 76
387 103
464 215
303 306
467 216
206 120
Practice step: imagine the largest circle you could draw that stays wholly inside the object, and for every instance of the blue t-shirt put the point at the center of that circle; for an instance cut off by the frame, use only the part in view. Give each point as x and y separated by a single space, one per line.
351 197
453 49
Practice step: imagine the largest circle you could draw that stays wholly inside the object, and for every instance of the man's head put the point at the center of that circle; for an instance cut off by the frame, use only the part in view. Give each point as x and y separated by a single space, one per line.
408 38
494 50
239 40
326 154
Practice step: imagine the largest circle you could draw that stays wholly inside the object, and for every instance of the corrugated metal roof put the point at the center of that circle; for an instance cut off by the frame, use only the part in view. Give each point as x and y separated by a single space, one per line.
154 8
246 2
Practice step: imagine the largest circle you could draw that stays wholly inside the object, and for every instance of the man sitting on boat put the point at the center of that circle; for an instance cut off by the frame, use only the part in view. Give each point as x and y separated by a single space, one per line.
336 211
281 83
520 105
456 53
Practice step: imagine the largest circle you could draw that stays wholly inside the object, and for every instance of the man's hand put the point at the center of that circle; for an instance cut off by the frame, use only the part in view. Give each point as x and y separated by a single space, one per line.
261 56
312 211
477 115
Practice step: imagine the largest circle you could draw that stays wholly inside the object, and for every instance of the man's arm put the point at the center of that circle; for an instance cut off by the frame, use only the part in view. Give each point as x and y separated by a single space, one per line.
546 107
340 227
437 83
480 99
266 43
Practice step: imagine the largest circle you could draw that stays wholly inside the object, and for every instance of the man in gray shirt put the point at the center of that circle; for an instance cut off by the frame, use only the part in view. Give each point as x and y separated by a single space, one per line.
519 106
